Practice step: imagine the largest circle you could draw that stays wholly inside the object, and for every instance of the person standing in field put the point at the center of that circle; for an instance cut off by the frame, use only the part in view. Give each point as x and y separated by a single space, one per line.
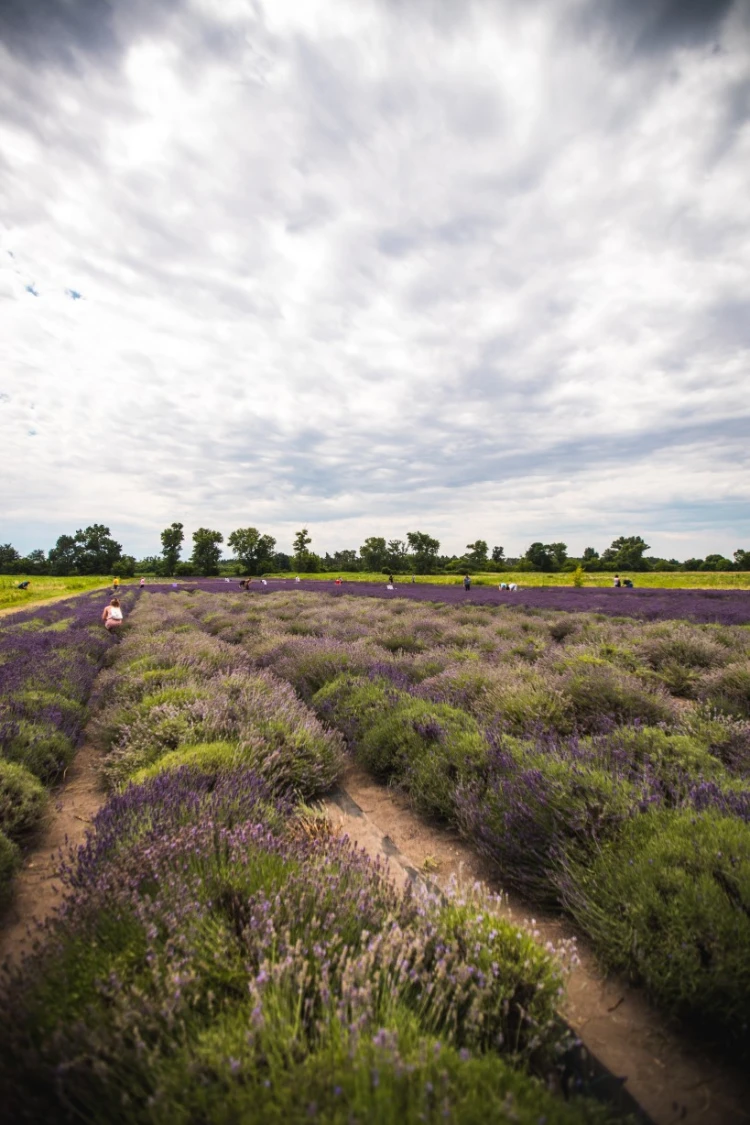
112 617
467 582
115 583
142 583
616 581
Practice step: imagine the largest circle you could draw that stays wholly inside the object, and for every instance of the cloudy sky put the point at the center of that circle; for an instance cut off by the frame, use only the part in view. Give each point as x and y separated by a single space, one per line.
480 269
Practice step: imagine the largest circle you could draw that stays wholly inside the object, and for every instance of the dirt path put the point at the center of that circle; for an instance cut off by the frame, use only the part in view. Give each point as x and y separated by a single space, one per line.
672 1080
72 808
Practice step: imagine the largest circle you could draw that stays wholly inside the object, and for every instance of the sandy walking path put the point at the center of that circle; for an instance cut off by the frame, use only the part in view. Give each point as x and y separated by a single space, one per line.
71 810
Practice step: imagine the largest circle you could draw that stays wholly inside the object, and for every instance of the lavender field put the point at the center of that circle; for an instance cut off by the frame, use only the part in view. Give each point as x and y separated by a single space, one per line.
216 960
220 957
715 607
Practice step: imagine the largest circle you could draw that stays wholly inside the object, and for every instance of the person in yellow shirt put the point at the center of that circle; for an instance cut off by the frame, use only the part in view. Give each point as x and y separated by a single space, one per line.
115 583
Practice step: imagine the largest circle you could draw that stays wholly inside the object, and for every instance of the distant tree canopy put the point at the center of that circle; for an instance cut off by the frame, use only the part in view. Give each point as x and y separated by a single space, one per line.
425 549
304 560
374 553
206 551
253 550
626 553
92 550
476 553
171 546
89 551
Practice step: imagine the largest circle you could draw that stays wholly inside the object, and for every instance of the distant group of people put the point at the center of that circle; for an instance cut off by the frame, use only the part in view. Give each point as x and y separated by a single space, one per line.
617 582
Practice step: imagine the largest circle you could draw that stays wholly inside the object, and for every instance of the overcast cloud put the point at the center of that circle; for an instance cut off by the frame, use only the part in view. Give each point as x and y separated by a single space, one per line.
478 269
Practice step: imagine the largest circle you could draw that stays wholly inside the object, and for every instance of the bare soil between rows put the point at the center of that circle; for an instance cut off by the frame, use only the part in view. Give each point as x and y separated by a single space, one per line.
673 1080
72 808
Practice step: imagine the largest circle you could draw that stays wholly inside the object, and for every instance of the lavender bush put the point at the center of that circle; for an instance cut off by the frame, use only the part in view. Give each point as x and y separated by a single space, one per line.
668 901
174 695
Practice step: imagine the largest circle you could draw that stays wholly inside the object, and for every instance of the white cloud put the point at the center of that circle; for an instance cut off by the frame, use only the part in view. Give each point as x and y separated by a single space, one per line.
369 267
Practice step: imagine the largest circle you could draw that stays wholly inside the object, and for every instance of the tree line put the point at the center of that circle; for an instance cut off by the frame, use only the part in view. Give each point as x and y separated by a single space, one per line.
93 551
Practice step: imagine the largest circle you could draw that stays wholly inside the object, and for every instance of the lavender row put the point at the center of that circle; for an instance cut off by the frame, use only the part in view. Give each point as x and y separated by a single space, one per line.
717 607
174 695
49 658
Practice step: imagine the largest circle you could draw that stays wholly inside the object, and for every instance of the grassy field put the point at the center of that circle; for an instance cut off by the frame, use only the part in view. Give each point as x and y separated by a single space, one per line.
43 588
654 580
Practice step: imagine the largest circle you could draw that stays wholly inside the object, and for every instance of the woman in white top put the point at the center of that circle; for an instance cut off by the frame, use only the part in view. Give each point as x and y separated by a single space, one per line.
112 616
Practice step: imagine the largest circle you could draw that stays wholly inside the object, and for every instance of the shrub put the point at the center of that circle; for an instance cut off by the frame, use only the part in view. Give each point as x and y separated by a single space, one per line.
535 806
728 690
726 738
10 861
674 761
428 747
41 748
680 644
669 902
22 799
354 703
599 695
564 627
307 663
678 679
210 758
389 1077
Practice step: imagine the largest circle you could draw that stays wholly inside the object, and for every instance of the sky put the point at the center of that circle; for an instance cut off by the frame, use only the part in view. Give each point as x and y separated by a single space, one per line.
479 269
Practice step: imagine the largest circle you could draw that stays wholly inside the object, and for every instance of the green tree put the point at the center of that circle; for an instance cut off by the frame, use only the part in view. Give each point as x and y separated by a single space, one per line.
396 555
254 551
9 556
498 555
425 549
301 542
280 561
96 550
742 560
303 559
626 553
63 556
477 553
206 551
374 553
344 560
37 562
590 558
171 547
559 553
540 557
125 567
151 564
716 562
